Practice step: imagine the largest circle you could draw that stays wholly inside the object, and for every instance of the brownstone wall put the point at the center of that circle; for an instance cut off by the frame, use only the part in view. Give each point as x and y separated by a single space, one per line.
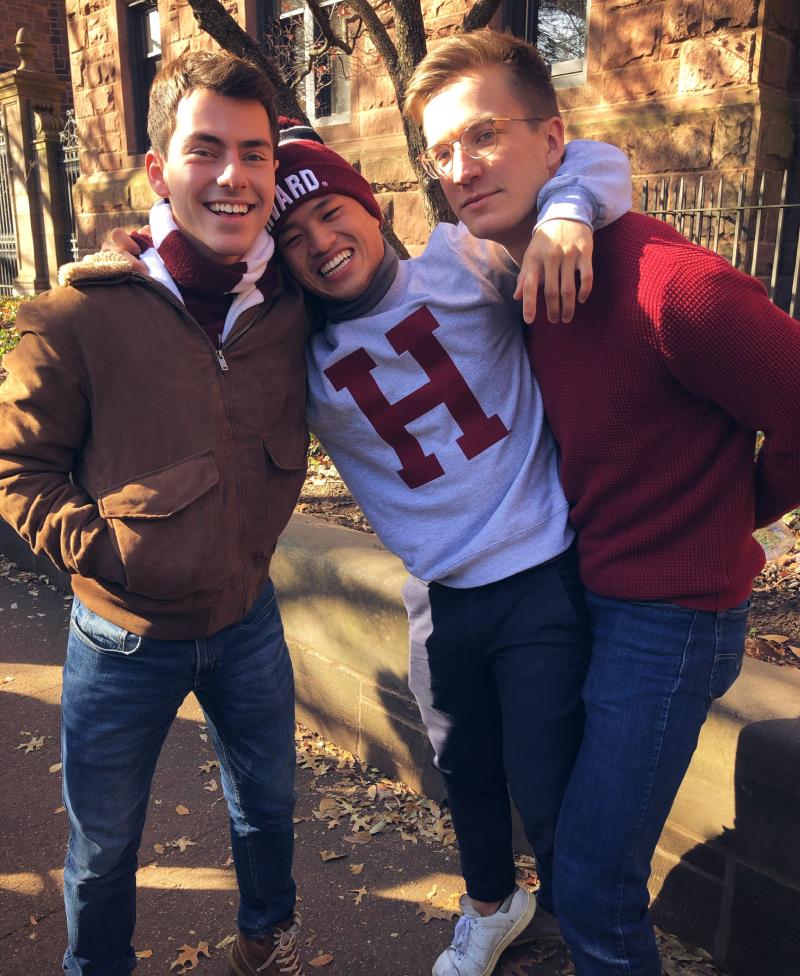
47 22
684 86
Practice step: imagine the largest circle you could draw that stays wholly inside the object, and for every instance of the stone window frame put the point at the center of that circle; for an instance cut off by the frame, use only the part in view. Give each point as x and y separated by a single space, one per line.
564 74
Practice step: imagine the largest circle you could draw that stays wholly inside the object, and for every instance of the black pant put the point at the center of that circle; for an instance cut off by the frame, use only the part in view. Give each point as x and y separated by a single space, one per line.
497 672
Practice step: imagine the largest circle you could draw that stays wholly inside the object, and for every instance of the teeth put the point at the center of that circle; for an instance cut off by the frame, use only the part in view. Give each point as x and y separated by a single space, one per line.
336 262
231 208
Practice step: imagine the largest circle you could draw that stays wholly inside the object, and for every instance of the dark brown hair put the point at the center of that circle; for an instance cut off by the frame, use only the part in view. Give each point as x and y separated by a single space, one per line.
218 72
459 54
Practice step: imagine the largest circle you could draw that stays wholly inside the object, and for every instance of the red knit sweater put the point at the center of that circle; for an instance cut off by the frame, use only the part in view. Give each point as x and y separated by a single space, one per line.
654 393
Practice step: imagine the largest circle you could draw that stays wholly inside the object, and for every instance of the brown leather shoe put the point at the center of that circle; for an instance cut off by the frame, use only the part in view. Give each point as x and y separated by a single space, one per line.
277 954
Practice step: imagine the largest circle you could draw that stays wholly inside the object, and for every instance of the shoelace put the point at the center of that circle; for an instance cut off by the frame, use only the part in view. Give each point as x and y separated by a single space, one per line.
462 934
286 953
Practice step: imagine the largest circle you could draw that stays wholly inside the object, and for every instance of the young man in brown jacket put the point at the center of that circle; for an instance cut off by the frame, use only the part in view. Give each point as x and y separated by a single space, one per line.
152 444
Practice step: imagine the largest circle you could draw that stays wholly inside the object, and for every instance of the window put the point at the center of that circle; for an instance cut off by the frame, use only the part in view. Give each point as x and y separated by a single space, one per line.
558 29
324 92
144 32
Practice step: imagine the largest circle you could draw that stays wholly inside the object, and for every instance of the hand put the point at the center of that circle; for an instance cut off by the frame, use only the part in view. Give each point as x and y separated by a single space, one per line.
122 243
558 249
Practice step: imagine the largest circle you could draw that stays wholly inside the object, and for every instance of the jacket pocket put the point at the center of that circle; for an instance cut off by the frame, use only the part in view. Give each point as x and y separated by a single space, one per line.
166 526
286 458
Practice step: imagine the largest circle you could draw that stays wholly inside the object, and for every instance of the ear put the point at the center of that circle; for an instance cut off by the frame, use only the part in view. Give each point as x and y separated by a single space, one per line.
155 165
554 133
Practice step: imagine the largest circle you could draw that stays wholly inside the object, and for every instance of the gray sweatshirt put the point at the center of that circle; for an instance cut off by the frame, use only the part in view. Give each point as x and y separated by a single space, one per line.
427 406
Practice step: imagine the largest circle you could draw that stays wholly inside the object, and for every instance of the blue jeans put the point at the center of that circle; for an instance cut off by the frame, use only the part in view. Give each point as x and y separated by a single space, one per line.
120 695
654 671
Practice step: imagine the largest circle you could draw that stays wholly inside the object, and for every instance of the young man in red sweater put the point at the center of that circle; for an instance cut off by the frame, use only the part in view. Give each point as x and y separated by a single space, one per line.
655 393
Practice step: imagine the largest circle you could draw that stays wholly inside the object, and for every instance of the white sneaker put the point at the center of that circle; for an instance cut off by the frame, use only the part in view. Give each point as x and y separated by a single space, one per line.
479 941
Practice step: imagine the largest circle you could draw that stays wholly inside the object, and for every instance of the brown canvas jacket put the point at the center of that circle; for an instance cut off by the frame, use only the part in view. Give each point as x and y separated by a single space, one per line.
156 471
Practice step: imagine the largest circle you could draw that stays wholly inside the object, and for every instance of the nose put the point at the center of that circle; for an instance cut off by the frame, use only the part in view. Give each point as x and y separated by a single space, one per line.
465 168
320 239
233 175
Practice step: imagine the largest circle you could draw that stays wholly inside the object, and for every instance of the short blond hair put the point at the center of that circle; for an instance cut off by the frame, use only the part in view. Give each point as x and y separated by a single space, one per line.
459 54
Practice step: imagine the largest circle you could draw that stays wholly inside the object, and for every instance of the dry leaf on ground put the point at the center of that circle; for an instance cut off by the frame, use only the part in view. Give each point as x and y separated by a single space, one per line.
322 960
209 765
189 956
359 893
33 745
225 942
181 810
182 843
54 768
144 954
331 855
356 868
433 911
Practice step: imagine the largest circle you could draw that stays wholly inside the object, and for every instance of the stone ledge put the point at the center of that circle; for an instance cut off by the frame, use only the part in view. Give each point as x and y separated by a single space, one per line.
726 874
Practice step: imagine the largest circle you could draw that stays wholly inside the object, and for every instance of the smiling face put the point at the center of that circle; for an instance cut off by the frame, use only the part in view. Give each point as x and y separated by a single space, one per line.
218 173
332 246
495 196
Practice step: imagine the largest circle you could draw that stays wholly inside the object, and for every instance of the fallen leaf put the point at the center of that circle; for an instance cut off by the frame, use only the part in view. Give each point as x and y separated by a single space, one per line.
321 960
188 956
330 855
159 848
204 737
225 942
356 868
34 920
774 638
212 786
358 838
181 810
144 954
182 843
795 650
207 766
54 768
60 810
33 745
359 893
431 911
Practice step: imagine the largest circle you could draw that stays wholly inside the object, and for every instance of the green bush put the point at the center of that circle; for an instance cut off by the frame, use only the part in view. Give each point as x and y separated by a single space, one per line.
8 316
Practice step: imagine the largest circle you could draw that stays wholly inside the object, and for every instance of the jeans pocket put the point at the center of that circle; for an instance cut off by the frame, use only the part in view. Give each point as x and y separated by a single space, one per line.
99 634
731 628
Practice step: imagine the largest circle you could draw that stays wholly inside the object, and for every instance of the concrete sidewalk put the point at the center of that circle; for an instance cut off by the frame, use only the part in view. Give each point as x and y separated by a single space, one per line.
188 897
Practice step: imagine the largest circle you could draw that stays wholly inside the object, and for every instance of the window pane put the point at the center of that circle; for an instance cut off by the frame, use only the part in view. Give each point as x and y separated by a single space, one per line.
562 30
152 34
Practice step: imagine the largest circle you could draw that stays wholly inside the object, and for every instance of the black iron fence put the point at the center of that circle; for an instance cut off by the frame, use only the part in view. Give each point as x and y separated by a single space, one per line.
757 229
70 171
8 233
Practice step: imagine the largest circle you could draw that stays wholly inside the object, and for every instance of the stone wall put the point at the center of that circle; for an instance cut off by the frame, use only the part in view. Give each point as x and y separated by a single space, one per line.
697 87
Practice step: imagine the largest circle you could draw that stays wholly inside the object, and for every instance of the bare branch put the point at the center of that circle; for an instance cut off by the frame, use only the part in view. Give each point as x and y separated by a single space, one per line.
212 17
330 38
479 14
379 36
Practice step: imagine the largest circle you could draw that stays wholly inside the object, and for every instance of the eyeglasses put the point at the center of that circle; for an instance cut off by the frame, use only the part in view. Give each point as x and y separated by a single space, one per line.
477 141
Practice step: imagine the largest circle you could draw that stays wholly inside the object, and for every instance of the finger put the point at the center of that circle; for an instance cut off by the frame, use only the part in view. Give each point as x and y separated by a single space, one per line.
552 289
587 277
567 290
530 294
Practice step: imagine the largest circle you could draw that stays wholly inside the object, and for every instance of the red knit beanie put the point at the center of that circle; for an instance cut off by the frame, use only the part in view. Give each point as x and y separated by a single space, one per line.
307 170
